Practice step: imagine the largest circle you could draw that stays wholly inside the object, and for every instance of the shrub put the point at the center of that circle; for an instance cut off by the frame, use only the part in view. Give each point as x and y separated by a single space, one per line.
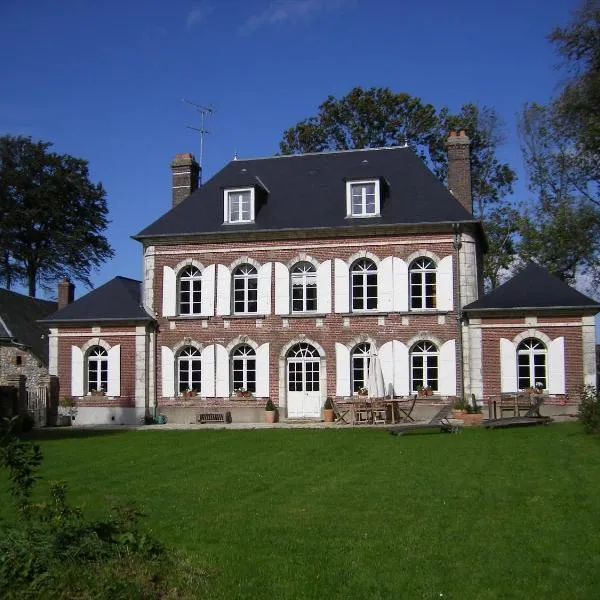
589 408
269 406
27 422
459 404
328 405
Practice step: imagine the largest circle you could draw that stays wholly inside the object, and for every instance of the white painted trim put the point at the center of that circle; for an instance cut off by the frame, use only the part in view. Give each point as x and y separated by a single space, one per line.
77 378
447 368
324 287
113 387
88 334
226 215
377 194
262 371
169 292
264 289
342 286
208 372
508 366
556 366
521 325
445 284
342 370
207 304
223 290
282 289
222 375
167 372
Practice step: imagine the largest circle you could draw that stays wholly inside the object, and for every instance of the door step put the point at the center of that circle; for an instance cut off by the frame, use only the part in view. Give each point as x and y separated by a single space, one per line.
299 421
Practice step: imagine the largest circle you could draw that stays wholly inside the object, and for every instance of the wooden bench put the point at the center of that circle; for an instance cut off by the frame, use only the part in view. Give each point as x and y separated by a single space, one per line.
213 417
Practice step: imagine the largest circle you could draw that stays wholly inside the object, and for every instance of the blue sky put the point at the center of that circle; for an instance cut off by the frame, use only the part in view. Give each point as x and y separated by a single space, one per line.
105 80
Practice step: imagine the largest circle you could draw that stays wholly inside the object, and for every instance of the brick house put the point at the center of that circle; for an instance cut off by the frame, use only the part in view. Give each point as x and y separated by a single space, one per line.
279 277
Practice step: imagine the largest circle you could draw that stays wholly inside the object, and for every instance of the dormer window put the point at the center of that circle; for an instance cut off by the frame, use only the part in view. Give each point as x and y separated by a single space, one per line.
363 198
239 205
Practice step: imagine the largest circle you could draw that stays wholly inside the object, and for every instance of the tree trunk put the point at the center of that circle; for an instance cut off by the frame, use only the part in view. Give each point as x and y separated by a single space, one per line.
31 283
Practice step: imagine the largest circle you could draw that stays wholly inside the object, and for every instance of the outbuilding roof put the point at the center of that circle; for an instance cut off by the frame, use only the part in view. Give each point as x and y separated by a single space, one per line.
308 191
19 315
120 299
534 287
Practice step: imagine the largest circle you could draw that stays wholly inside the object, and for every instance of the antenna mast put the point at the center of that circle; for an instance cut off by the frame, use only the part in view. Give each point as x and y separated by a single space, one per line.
204 111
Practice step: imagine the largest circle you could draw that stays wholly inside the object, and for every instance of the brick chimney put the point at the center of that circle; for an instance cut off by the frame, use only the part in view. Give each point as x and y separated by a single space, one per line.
66 293
186 173
459 168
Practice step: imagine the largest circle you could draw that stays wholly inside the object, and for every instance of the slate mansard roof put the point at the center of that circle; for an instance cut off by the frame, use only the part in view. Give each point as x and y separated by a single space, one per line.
308 191
120 299
535 288
19 315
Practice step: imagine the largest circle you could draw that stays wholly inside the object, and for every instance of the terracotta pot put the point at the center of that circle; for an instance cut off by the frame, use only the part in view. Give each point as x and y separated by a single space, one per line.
270 416
328 415
429 392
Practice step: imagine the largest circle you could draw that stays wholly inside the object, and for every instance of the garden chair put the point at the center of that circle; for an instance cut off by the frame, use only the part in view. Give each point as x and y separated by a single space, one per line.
362 413
379 412
508 404
341 412
405 411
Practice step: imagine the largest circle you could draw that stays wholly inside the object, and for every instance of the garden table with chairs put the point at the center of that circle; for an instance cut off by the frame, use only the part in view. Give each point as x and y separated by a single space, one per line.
365 410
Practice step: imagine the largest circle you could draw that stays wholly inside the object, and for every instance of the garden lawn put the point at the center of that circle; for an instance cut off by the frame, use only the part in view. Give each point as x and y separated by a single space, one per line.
355 513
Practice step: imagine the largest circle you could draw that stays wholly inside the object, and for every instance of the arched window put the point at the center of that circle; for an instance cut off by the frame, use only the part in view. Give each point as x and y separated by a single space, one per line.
190 291
303 368
360 366
304 287
245 290
424 366
422 283
97 369
364 285
189 370
532 360
243 368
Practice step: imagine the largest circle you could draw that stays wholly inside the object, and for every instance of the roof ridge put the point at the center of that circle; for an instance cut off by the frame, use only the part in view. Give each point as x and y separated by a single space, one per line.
27 297
319 153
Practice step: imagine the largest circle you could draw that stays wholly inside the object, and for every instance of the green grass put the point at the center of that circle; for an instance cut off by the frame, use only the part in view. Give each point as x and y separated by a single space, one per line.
356 513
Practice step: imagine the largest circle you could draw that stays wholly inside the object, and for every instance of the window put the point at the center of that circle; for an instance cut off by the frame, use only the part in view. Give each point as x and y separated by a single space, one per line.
189 370
364 285
303 368
424 366
360 366
422 283
531 357
97 369
304 288
245 290
362 198
243 368
239 205
190 291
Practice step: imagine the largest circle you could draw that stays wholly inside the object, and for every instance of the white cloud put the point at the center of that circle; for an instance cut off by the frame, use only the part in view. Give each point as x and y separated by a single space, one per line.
197 14
290 11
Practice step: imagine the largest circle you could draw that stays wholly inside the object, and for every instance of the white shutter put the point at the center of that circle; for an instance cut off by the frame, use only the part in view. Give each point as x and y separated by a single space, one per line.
400 286
222 370
167 372
208 372
386 359
324 287
262 371
76 371
223 290
113 387
342 287
208 292
508 366
447 369
385 285
444 287
342 370
556 366
169 292
264 289
282 289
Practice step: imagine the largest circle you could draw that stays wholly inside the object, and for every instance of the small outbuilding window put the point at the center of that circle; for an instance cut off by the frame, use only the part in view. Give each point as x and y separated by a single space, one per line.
363 198
239 205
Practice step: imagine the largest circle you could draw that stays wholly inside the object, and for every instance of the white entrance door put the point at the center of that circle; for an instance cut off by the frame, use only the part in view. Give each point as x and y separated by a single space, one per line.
303 382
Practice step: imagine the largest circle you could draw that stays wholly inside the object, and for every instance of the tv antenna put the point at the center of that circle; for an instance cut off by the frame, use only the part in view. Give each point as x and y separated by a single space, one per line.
204 111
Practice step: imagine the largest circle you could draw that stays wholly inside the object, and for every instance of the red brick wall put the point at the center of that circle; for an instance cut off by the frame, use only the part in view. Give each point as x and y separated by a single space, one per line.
272 329
568 327
111 336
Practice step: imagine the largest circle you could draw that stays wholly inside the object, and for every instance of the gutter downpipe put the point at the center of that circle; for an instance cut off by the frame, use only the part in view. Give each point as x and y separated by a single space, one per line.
457 244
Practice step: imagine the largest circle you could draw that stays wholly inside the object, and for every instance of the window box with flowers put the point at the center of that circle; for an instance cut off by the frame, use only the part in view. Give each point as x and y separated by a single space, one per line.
189 393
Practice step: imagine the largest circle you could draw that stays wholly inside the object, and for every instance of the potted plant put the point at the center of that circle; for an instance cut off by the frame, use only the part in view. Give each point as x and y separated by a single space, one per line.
189 393
459 408
67 411
270 411
421 391
428 391
328 411
362 391
242 392
97 392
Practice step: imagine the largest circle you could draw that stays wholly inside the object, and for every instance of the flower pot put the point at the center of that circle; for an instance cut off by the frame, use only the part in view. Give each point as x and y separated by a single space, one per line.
328 415
270 416
97 392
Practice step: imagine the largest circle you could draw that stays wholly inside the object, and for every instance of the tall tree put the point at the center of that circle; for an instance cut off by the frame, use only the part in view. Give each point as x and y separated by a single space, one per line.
379 117
53 217
578 105
560 229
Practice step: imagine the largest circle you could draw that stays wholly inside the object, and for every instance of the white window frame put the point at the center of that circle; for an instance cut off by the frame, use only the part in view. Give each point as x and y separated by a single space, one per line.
526 349
360 359
245 277
358 270
416 268
304 274
189 355
195 282
227 217
241 355
430 353
99 355
363 214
